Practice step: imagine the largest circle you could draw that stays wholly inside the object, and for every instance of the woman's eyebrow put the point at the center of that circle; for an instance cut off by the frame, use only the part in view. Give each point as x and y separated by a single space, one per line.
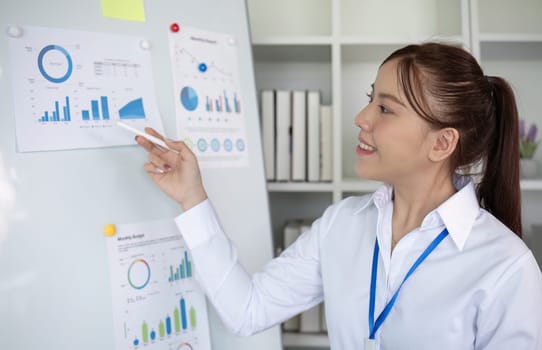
383 95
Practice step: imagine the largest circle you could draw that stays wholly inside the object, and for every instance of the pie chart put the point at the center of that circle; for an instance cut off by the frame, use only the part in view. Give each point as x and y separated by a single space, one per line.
189 98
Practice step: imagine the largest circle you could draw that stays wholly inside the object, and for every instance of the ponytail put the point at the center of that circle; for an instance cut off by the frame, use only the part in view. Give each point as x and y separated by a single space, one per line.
447 88
499 191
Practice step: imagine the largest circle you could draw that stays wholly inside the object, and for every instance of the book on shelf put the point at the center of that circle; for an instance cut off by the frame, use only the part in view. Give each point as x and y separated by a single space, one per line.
326 143
308 321
283 135
296 136
290 234
313 136
323 321
299 136
268 132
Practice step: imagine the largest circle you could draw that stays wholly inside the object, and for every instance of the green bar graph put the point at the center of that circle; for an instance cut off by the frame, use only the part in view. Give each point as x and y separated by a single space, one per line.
192 317
145 332
162 329
177 320
188 269
181 321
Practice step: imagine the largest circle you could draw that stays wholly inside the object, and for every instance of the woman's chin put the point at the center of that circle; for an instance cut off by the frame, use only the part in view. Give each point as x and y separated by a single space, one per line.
365 175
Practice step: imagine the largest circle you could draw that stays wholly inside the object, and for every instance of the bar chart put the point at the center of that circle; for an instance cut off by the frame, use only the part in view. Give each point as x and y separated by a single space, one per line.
99 109
222 104
182 271
181 321
54 116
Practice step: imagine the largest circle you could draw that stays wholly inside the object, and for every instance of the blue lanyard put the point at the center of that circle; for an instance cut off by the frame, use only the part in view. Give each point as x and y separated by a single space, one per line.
373 327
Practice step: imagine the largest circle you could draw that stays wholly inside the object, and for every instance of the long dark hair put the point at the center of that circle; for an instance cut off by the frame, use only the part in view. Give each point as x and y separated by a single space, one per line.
447 87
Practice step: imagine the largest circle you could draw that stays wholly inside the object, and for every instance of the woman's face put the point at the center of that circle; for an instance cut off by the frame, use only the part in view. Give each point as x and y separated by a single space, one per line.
394 141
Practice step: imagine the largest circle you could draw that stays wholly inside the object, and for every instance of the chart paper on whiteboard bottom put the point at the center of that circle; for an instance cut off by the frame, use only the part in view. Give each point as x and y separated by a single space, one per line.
157 303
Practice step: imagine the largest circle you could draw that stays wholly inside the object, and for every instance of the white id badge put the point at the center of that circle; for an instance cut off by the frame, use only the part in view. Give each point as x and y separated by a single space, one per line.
370 344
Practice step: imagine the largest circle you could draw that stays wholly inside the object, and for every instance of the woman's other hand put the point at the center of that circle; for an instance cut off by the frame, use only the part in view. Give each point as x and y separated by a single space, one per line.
176 174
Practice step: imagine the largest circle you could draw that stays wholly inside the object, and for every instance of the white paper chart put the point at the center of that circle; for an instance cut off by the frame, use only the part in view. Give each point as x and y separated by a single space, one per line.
157 305
71 87
209 105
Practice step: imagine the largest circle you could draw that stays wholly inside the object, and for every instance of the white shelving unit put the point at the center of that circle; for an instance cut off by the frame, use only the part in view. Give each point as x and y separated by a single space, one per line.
336 46
507 40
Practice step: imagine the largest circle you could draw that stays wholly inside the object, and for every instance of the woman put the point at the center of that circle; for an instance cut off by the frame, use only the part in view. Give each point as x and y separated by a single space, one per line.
428 261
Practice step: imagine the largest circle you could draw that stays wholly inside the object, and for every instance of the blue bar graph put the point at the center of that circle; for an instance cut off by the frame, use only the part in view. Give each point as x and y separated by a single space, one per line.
54 116
236 104
57 112
105 107
95 110
98 109
183 314
208 104
227 102
168 325
67 113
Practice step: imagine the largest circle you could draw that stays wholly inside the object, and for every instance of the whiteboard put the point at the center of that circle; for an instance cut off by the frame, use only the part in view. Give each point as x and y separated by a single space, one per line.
54 278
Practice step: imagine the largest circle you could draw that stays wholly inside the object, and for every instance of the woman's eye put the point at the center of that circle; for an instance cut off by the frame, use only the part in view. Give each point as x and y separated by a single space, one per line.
384 109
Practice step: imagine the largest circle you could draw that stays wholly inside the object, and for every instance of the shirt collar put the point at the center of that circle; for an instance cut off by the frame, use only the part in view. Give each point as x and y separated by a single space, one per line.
379 198
457 213
460 211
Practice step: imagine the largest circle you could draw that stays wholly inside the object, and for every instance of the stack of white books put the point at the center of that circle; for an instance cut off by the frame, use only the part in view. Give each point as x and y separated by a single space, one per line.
297 136
312 320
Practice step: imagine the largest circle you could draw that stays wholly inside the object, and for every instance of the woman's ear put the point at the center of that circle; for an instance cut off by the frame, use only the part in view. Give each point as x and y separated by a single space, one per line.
444 144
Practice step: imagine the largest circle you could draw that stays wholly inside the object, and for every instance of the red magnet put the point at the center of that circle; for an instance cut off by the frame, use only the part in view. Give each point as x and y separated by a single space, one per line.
174 27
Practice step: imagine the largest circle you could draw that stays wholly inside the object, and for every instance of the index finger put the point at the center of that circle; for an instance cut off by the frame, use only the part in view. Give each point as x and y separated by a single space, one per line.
154 133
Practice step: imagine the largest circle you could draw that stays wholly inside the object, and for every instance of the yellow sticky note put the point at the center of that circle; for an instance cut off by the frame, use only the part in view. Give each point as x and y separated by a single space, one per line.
131 10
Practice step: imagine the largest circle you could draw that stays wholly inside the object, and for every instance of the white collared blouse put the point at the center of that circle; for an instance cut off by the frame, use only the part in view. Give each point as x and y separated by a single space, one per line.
481 288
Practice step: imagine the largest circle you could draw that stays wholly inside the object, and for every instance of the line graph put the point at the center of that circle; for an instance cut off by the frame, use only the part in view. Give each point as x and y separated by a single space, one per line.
201 65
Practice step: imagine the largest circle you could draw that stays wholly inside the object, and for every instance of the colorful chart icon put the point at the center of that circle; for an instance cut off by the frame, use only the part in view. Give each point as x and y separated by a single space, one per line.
228 145
240 145
55 64
202 145
189 98
139 274
215 145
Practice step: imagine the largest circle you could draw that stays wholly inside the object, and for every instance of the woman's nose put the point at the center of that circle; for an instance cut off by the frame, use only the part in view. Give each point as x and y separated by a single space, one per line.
363 120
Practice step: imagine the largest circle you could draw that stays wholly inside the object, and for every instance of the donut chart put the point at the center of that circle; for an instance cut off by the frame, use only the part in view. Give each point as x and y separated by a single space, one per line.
139 274
59 53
